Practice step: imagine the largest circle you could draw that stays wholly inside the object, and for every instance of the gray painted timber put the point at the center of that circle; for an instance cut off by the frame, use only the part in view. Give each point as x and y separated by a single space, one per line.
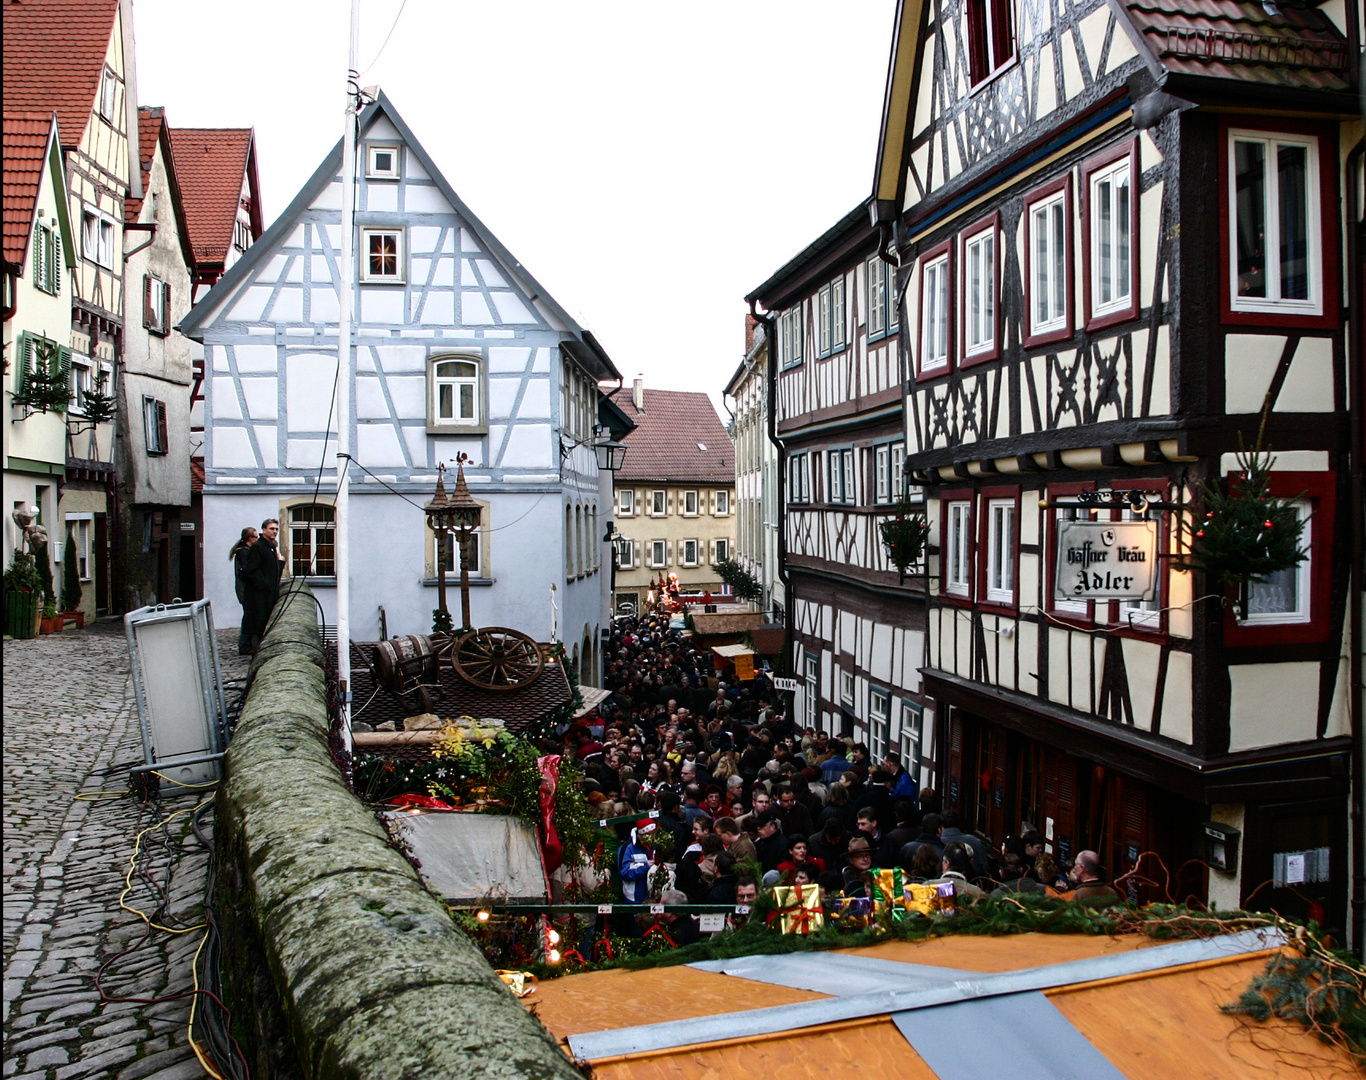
1014 1035
704 1029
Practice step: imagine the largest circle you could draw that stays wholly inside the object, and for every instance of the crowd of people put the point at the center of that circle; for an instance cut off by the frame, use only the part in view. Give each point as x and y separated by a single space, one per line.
746 800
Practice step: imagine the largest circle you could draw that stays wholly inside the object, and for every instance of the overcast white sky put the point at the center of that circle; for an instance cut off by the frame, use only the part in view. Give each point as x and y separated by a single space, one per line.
650 163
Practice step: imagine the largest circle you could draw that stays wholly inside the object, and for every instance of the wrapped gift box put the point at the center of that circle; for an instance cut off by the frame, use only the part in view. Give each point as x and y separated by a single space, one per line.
799 908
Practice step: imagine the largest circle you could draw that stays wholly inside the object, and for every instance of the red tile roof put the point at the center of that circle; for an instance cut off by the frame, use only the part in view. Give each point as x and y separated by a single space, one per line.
211 165
1285 43
150 120
670 434
25 142
197 475
54 56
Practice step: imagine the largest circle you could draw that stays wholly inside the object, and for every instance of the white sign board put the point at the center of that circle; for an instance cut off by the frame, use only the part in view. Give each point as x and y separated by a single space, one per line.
1106 560
784 684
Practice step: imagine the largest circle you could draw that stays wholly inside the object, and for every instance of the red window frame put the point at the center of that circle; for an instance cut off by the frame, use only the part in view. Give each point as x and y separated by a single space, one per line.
1001 49
945 249
983 539
1320 488
965 496
1066 331
1068 491
992 223
1089 168
1157 487
1328 224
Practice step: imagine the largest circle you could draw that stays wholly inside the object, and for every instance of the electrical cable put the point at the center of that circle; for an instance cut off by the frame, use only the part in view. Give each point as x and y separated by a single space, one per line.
383 483
387 36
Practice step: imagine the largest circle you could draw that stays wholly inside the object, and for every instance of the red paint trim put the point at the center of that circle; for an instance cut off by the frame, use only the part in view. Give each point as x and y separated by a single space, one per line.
983 531
1084 620
993 222
1095 164
1320 488
944 249
1066 331
1328 225
965 496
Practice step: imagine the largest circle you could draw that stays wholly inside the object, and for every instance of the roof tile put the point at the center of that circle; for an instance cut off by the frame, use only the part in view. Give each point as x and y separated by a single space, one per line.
54 56
25 140
211 165
678 437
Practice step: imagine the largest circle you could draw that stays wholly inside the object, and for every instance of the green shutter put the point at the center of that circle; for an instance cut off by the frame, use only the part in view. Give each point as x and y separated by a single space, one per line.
39 236
56 262
25 359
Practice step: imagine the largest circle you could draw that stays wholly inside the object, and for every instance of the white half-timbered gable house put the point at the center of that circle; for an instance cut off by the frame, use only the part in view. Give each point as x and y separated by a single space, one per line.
457 350
857 628
1124 233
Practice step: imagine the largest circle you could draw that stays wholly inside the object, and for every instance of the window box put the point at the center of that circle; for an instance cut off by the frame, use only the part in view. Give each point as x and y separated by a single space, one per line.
980 316
1048 263
936 311
1279 194
1110 227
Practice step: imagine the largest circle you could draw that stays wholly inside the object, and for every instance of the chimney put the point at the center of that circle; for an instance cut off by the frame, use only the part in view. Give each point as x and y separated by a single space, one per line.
638 393
751 324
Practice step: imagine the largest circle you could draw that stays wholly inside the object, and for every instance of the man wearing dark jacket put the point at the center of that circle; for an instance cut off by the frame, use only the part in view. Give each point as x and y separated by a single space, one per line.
951 833
261 581
929 834
770 843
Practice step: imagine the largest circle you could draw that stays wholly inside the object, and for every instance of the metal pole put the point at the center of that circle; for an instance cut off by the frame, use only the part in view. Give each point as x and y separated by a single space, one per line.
441 536
465 622
345 289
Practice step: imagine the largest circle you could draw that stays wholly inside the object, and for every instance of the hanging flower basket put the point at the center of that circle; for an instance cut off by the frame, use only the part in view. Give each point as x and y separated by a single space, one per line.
904 537
1245 534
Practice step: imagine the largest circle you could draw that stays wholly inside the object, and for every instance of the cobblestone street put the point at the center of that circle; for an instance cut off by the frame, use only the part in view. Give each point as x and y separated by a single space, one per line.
70 737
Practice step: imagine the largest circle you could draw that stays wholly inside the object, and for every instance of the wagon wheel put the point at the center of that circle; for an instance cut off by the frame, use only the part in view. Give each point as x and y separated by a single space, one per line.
496 658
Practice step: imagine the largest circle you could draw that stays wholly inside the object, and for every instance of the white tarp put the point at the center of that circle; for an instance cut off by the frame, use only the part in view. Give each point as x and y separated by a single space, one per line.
473 856
592 698
732 650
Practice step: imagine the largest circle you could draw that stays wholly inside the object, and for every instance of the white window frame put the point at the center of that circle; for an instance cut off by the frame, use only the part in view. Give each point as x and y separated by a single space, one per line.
979 292
153 422
879 723
1142 614
47 259
823 322
897 455
109 96
1303 581
1001 526
399 276
626 554
689 554
882 473
875 288
691 500
934 299
957 556
838 315
722 549
157 316
1043 262
1271 141
799 478
626 502
911 737
83 380
722 503
97 237
373 171
453 549
811 691
659 553
850 481
848 687
1120 230
313 528
659 503
436 381
1080 608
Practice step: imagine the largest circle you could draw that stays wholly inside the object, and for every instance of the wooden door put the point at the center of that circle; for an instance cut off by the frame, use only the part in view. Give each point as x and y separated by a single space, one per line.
953 797
101 557
1060 804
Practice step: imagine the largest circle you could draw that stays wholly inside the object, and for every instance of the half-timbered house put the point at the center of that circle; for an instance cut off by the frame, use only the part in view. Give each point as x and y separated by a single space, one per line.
856 624
1123 232
457 351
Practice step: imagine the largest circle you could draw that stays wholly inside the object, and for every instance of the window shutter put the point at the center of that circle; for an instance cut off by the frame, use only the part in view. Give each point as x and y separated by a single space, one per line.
162 443
38 277
64 363
56 273
25 362
147 300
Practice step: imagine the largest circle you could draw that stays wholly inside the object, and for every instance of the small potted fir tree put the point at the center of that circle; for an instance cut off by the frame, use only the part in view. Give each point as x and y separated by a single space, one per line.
71 585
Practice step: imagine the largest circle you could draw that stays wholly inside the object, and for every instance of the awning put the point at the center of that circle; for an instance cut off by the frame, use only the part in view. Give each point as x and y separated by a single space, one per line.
592 698
730 651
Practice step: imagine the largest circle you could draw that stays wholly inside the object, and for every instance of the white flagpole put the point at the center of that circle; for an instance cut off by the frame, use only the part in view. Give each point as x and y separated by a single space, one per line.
342 551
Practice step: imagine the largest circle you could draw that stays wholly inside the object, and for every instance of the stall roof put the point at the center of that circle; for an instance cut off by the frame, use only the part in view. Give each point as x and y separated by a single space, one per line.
738 622
732 650
1069 1005
592 698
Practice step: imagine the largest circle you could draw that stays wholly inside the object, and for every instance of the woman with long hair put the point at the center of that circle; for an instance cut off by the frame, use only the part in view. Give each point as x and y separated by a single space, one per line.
238 557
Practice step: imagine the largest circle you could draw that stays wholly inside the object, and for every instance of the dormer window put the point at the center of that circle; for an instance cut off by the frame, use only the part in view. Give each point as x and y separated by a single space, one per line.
382 162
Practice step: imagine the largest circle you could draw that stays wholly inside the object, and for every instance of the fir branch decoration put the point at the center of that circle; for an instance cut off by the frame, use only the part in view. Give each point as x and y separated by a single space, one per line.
97 405
1247 534
742 583
904 536
47 385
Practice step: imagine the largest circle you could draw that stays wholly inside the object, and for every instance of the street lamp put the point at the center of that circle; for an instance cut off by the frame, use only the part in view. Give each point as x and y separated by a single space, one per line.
441 520
466 515
610 454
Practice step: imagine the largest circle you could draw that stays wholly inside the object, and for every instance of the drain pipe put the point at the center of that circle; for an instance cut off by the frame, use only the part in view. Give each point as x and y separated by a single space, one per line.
1356 411
771 390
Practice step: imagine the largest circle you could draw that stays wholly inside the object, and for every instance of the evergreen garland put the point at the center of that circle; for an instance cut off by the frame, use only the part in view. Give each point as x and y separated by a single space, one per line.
1247 534
904 536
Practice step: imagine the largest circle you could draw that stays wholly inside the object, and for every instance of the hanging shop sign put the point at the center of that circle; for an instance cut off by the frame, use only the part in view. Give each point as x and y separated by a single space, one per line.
1106 560
785 684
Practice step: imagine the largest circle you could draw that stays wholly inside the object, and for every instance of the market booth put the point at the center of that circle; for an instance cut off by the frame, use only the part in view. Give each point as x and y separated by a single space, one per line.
958 1007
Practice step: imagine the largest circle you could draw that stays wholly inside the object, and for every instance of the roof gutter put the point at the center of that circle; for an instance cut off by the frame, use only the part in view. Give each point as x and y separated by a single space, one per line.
1357 487
149 227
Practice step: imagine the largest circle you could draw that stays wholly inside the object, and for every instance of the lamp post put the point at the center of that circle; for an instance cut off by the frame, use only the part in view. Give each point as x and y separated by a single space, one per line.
466 515
440 521
610 454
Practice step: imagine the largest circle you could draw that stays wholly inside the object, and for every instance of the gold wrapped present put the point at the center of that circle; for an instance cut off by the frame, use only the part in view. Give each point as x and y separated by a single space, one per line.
887 887
929 899
799 908
854 911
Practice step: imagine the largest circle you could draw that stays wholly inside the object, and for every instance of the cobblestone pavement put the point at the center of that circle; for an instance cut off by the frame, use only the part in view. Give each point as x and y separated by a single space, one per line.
71 733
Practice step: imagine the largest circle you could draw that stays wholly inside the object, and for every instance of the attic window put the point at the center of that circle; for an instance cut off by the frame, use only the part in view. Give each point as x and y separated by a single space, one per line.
701 446
382 162
382 255
109 89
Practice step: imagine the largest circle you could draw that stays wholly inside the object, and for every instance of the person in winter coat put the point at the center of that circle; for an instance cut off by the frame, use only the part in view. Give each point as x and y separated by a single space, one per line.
261 581
633 864
238 557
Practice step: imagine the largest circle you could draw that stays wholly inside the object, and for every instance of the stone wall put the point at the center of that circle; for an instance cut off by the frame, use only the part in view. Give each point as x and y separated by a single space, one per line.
338 963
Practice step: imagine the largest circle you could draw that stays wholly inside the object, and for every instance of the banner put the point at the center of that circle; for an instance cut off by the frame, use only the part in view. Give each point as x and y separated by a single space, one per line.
1106 560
